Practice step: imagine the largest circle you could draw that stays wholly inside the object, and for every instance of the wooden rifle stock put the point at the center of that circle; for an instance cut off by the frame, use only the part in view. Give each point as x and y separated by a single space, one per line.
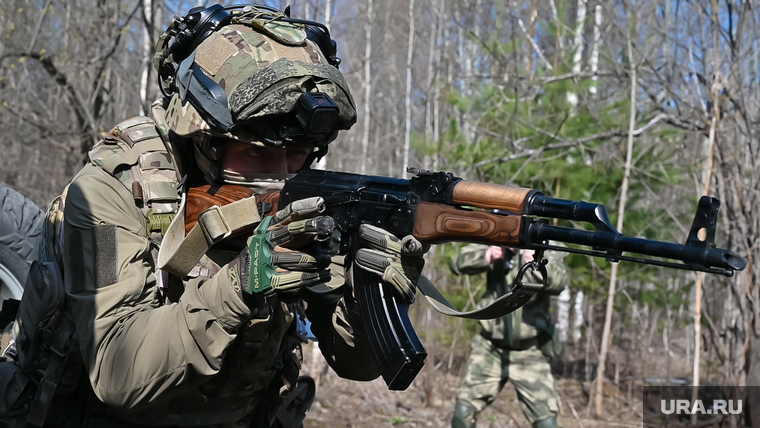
201 198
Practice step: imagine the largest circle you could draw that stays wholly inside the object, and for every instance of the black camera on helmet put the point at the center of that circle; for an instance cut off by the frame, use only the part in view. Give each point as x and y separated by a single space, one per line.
317 113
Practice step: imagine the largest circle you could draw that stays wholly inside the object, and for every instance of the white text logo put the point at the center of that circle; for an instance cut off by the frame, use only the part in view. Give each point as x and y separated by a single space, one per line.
733 407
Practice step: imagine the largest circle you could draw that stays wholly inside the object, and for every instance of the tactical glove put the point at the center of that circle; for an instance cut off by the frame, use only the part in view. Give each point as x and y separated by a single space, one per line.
398 261
270 264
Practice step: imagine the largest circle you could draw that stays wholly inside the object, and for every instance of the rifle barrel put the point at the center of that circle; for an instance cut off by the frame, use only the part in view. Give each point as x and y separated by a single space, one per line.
616 243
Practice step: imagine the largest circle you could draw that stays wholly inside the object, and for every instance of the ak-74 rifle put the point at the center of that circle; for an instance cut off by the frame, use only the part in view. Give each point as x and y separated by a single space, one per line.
432 206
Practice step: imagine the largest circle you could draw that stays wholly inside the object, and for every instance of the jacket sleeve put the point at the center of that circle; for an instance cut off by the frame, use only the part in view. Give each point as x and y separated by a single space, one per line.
470 261
135 350
337 324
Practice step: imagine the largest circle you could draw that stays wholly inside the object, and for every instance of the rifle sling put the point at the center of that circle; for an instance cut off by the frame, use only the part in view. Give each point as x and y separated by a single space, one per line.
504 305
179 253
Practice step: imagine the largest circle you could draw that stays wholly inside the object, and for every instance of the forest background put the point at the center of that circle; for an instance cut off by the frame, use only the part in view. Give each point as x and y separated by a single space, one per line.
643 106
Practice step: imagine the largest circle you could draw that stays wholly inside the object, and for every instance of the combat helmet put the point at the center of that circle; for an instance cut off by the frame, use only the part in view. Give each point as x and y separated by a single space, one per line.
251 74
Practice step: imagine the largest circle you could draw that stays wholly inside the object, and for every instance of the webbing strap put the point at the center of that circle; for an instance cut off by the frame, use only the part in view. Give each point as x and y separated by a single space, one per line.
179 253
504 305
53 373
131 156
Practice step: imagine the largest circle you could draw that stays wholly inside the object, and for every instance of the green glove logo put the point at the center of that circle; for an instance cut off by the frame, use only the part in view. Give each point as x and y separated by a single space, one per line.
262 272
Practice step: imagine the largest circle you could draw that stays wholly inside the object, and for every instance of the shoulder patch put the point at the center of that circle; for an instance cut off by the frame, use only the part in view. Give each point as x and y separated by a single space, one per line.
134 153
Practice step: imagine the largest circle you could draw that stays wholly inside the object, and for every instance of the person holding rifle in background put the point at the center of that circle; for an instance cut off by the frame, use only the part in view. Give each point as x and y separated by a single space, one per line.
517 347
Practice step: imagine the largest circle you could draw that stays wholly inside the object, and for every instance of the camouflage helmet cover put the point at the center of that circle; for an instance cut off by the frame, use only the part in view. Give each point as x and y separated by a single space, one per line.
263 66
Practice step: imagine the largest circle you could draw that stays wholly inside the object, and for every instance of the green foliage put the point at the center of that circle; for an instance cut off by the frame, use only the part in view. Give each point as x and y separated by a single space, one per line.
514 145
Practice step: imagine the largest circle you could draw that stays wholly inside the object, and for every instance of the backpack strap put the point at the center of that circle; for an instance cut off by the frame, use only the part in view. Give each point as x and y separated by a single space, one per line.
54 372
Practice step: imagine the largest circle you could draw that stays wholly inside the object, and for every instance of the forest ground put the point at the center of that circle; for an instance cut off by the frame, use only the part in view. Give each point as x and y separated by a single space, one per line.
342 403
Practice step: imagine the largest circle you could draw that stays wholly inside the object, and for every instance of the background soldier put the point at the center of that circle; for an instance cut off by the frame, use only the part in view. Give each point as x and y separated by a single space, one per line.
213 343
517 347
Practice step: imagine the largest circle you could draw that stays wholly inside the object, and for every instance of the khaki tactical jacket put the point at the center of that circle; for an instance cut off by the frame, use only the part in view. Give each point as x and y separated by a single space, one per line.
203 359
520 329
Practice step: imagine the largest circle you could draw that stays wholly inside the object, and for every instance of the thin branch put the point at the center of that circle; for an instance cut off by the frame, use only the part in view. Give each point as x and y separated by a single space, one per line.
580 142
39 25
533 43
80 105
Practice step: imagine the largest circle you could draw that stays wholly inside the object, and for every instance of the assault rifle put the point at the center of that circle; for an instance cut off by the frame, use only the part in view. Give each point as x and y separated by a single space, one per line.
433 206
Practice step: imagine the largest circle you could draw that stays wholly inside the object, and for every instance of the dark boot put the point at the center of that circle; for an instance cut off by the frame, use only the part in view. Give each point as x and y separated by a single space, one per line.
464 416
546 423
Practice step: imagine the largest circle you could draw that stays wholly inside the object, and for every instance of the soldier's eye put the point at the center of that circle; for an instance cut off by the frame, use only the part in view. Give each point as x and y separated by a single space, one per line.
255 151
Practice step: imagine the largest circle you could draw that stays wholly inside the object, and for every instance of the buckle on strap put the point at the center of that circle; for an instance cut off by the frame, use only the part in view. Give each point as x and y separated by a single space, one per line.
213 224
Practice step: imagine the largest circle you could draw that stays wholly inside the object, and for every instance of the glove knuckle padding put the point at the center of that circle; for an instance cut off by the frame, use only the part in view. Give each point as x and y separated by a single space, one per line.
301 209
379 239
399 262
373 260
402 284
294 261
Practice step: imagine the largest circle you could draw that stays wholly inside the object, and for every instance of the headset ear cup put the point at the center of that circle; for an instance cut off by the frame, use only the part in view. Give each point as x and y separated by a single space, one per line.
321 37
182 37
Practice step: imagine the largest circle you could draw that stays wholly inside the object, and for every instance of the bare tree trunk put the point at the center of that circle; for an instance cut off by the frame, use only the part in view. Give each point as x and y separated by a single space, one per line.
613 275
147 62
595 47
589 336
531 33
708 178
698 292
444 32
564 303
328 13
367 86
580 19
322 163
408 98
432 71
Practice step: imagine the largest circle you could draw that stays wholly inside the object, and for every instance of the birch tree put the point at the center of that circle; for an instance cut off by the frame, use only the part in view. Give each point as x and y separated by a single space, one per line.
621 215
580 21
408 97
594 60
367 85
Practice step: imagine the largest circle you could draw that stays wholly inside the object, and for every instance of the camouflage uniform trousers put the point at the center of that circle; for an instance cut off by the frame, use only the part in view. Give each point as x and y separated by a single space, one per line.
490 367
